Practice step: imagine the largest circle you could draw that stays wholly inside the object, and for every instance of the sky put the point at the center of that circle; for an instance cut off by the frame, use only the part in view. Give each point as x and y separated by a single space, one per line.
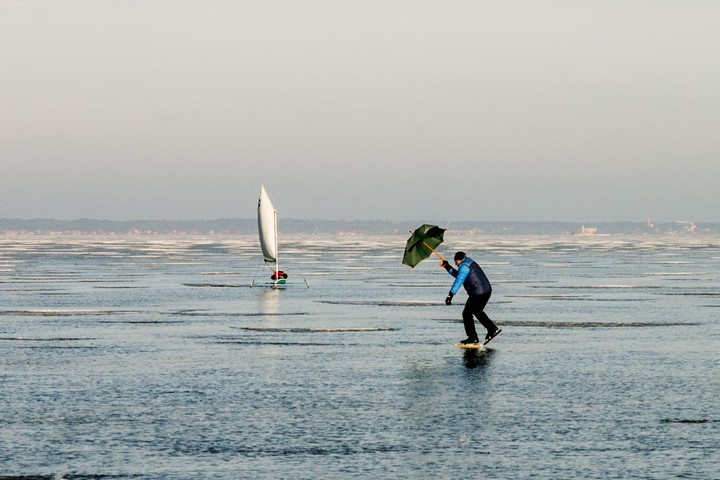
515 110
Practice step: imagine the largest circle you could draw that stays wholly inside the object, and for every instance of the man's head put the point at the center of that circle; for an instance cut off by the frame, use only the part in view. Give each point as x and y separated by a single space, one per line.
459 257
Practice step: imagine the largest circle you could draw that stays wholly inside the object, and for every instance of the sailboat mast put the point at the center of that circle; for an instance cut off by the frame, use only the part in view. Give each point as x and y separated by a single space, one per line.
277 254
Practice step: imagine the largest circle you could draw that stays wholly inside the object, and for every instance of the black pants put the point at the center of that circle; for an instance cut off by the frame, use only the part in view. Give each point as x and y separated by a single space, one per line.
474 306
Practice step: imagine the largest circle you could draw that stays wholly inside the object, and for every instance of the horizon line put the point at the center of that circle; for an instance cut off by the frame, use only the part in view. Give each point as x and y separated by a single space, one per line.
586 222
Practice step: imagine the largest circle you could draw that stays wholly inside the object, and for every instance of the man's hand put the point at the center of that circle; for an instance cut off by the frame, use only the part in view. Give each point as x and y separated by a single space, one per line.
446 265
448 300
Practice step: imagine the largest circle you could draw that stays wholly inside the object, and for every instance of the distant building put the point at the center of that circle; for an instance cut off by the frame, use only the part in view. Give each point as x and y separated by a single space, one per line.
586 231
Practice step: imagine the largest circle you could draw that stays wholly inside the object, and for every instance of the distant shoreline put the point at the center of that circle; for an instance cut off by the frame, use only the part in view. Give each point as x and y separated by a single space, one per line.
237 226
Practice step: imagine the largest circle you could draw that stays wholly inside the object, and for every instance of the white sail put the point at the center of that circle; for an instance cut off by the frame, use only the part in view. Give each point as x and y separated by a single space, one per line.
267 226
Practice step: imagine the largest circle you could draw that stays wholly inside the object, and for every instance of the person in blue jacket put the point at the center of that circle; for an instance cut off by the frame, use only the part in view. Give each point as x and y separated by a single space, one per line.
471 276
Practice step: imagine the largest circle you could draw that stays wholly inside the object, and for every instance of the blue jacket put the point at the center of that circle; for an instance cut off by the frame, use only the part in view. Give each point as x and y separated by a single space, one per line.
471 276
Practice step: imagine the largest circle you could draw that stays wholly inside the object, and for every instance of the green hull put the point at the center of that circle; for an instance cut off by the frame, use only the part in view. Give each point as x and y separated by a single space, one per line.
279 284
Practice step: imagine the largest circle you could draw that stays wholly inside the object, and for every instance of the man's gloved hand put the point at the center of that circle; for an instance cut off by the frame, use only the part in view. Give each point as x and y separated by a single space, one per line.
448 300
446 265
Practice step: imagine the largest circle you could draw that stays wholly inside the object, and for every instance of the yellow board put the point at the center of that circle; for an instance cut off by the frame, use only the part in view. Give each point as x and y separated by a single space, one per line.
469 345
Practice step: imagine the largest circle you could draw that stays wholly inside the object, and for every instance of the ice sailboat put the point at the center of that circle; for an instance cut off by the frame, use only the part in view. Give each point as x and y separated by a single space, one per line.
268 231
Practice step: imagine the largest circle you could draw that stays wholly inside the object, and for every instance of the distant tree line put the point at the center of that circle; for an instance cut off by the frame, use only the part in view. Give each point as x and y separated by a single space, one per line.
293 226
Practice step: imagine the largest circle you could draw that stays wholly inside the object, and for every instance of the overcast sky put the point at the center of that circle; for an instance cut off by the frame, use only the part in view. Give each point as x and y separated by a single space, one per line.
376 109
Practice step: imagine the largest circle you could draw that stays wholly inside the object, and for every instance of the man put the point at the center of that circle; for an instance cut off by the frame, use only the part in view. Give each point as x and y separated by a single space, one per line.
471 276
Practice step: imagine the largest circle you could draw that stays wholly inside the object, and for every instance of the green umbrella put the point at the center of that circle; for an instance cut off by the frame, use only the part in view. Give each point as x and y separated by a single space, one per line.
422 244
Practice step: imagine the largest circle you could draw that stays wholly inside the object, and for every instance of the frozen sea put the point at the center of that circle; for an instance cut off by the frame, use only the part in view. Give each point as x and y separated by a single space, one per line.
151 357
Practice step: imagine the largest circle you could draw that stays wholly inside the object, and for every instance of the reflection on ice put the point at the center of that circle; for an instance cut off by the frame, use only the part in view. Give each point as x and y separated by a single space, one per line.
51 312
268 301
319 329
689 420
46 339
477 358
380 303
592 324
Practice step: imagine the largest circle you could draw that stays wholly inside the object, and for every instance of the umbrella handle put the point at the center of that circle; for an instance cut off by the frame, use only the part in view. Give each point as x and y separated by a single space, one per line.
436 253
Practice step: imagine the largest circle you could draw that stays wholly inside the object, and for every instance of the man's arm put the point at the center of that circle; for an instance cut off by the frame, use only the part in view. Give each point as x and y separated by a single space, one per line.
460 276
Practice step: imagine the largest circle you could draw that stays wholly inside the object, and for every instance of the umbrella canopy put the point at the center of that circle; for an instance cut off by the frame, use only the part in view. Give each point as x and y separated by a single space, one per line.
422 244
